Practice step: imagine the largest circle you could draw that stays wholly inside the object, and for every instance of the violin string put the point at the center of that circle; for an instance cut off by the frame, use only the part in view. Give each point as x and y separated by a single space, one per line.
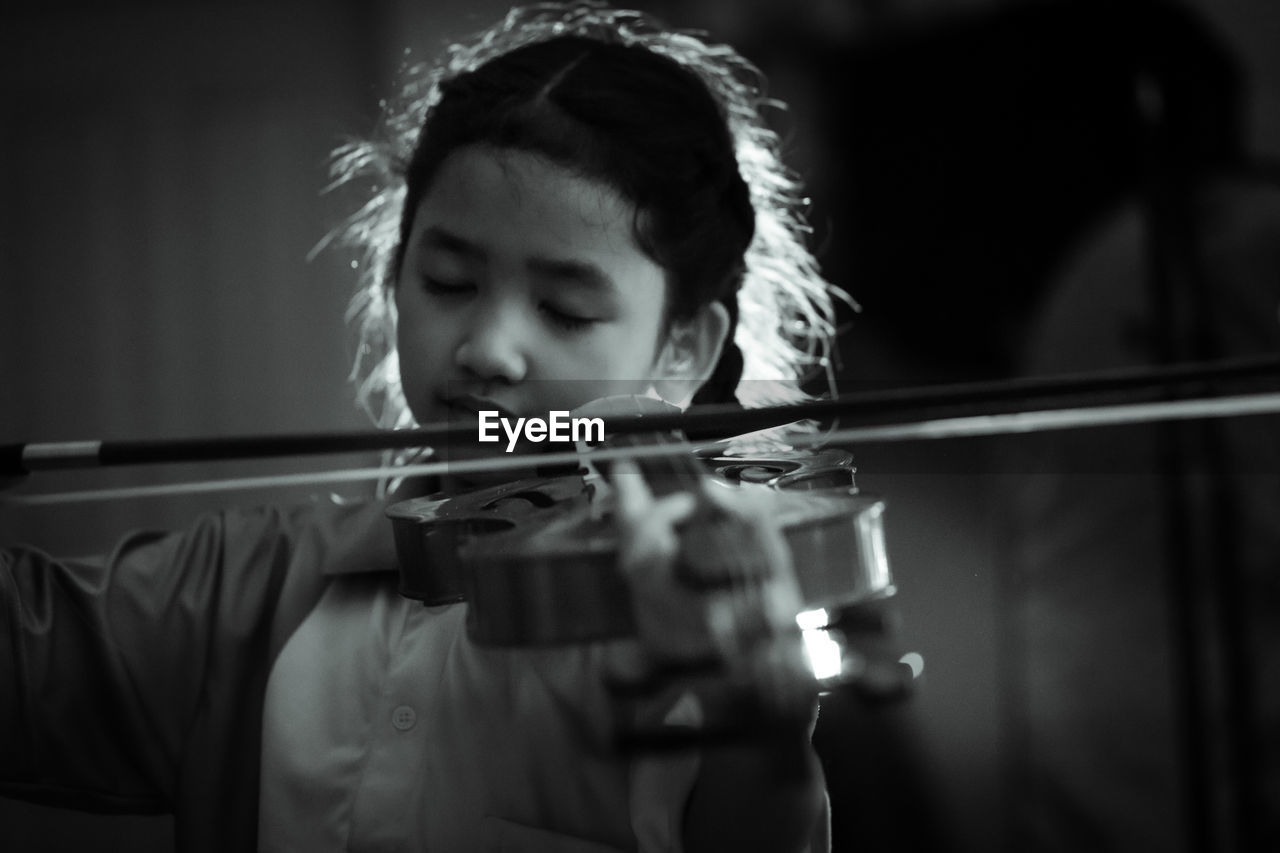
1242 405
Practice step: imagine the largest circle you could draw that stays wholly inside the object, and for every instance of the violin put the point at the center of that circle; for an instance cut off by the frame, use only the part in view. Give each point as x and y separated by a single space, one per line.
537 561
834 533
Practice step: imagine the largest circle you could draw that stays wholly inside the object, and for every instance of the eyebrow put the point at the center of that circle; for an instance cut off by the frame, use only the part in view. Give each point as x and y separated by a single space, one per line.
572 272
435 237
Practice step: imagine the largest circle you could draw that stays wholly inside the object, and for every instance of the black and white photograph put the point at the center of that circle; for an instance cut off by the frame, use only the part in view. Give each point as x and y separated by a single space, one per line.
386 386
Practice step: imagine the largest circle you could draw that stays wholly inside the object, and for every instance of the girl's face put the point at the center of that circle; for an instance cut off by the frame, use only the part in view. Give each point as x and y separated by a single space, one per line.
522 288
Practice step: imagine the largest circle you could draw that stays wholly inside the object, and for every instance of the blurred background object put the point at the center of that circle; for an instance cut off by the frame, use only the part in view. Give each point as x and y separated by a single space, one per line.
1008 187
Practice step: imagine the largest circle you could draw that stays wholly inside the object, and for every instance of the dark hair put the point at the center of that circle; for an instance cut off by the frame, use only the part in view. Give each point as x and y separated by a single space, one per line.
633 120
669 119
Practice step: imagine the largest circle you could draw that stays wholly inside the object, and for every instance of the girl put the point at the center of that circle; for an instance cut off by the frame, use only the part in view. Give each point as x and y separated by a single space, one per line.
578 204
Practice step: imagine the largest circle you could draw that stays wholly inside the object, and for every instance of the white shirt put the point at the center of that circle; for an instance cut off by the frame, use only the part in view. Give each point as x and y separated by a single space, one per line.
386 728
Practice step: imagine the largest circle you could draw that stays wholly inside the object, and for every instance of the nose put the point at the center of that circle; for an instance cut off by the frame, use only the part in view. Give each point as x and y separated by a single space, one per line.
491 346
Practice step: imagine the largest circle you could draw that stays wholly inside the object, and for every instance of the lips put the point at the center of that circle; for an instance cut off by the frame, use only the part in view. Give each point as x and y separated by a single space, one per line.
462 410
469 405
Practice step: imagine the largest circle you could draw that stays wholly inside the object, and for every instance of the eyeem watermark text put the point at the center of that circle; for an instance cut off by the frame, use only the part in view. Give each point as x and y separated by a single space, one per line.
557 427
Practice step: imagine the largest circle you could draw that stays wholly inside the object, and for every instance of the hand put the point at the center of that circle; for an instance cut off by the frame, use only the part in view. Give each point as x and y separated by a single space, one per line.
711 580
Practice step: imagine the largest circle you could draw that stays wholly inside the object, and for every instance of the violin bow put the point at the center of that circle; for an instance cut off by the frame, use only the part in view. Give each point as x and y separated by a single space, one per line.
941 411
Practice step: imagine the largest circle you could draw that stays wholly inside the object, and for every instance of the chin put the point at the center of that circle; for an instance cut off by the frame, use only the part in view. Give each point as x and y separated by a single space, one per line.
517 465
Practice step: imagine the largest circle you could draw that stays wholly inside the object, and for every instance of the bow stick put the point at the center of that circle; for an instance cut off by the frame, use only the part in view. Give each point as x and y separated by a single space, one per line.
946 402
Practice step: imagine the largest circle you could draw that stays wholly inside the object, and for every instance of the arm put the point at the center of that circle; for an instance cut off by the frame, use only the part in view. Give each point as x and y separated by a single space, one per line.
92 694
133 683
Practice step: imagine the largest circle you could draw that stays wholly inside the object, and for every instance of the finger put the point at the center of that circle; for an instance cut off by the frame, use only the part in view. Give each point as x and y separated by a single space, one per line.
632 492
671 510
649 541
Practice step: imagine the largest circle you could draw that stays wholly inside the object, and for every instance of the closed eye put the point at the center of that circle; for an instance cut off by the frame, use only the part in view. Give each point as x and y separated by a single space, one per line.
569 322
440 287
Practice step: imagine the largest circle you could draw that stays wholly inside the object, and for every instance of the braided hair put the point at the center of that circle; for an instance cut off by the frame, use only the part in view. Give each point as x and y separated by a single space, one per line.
669 120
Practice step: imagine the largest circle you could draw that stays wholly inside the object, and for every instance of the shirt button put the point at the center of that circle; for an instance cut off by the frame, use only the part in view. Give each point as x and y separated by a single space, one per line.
403 718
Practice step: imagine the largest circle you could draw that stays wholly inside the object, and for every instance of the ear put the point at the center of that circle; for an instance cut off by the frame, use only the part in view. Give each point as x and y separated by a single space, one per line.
690 353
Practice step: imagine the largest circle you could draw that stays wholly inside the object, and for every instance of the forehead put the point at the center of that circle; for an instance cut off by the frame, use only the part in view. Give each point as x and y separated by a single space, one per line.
511 199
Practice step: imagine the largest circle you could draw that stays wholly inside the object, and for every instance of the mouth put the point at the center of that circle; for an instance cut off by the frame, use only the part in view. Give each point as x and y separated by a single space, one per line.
463 410
467 406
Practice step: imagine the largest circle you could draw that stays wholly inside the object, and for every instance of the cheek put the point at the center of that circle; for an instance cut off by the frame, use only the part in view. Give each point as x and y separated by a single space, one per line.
415 342
651 348
634 350
645 358
417 326
406 322
406 336
629 367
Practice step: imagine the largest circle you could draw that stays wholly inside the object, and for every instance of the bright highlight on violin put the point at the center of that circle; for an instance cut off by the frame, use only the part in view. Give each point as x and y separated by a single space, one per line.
558 427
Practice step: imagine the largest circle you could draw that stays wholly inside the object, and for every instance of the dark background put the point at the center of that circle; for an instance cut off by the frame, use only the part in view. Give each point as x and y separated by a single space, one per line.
971 166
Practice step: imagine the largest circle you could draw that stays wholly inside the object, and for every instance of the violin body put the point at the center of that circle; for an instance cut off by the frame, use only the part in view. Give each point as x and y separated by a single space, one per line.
537 562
